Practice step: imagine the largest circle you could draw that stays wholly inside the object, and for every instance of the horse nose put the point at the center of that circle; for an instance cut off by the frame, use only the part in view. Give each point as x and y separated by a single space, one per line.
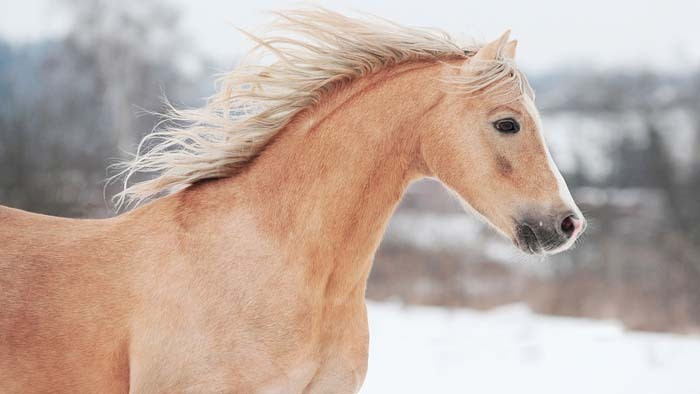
572 225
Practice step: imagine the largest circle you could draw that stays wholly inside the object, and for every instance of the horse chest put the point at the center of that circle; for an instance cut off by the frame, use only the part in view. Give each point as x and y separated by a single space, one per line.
256 373
254 356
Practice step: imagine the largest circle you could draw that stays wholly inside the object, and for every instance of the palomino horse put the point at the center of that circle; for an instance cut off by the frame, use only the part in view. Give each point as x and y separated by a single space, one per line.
246 271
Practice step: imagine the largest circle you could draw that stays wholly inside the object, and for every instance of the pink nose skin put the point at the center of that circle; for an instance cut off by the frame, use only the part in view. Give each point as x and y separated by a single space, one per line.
572 226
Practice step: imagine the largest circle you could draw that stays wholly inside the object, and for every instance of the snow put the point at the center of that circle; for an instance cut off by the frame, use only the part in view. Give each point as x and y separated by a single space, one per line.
512 350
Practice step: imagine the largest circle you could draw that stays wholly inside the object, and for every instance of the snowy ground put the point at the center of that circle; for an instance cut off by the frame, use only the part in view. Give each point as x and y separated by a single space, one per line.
511 350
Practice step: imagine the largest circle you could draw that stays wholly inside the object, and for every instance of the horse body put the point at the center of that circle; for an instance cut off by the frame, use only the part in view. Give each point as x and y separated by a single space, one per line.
255 282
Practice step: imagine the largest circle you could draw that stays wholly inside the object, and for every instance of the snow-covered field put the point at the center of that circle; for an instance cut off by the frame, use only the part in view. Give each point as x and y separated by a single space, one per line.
512 350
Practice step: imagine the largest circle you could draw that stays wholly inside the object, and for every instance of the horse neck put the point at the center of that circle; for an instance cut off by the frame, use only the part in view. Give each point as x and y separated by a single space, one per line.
326 186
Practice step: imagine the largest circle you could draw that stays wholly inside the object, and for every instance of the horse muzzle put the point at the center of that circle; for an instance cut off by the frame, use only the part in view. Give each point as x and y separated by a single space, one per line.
548 235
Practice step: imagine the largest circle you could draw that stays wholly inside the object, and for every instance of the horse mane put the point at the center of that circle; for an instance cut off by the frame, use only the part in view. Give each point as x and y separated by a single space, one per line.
303 55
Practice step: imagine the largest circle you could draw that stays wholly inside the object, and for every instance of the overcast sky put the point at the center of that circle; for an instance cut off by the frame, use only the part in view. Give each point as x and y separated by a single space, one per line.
596 33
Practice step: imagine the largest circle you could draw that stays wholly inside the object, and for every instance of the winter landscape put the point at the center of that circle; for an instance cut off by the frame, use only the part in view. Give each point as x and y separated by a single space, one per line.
454 307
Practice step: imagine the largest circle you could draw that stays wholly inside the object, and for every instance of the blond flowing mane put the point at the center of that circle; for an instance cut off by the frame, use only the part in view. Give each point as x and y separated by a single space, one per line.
303 55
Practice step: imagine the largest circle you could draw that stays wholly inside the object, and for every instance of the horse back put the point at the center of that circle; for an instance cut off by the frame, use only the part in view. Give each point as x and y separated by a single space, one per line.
61 305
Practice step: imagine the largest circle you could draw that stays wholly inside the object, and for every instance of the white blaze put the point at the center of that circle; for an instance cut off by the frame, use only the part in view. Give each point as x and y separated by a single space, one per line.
564 193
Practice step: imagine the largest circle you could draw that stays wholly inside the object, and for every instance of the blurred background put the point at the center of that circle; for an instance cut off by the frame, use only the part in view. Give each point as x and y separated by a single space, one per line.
619 90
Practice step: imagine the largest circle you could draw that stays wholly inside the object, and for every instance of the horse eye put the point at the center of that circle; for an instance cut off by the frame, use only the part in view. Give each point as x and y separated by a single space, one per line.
507 125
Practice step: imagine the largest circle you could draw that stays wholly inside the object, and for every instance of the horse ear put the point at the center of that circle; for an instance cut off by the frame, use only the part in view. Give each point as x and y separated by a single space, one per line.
509 49
491 50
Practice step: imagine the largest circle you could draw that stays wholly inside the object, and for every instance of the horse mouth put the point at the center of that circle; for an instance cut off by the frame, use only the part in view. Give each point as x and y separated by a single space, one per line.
526 239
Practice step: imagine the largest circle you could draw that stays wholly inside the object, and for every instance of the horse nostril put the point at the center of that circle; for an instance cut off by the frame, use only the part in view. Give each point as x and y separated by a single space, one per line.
568 225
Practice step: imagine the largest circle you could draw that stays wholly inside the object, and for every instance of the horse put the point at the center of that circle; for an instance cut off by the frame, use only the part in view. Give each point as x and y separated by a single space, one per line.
241 263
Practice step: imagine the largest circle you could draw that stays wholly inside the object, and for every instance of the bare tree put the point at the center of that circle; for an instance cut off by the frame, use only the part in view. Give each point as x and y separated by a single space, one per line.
94 94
